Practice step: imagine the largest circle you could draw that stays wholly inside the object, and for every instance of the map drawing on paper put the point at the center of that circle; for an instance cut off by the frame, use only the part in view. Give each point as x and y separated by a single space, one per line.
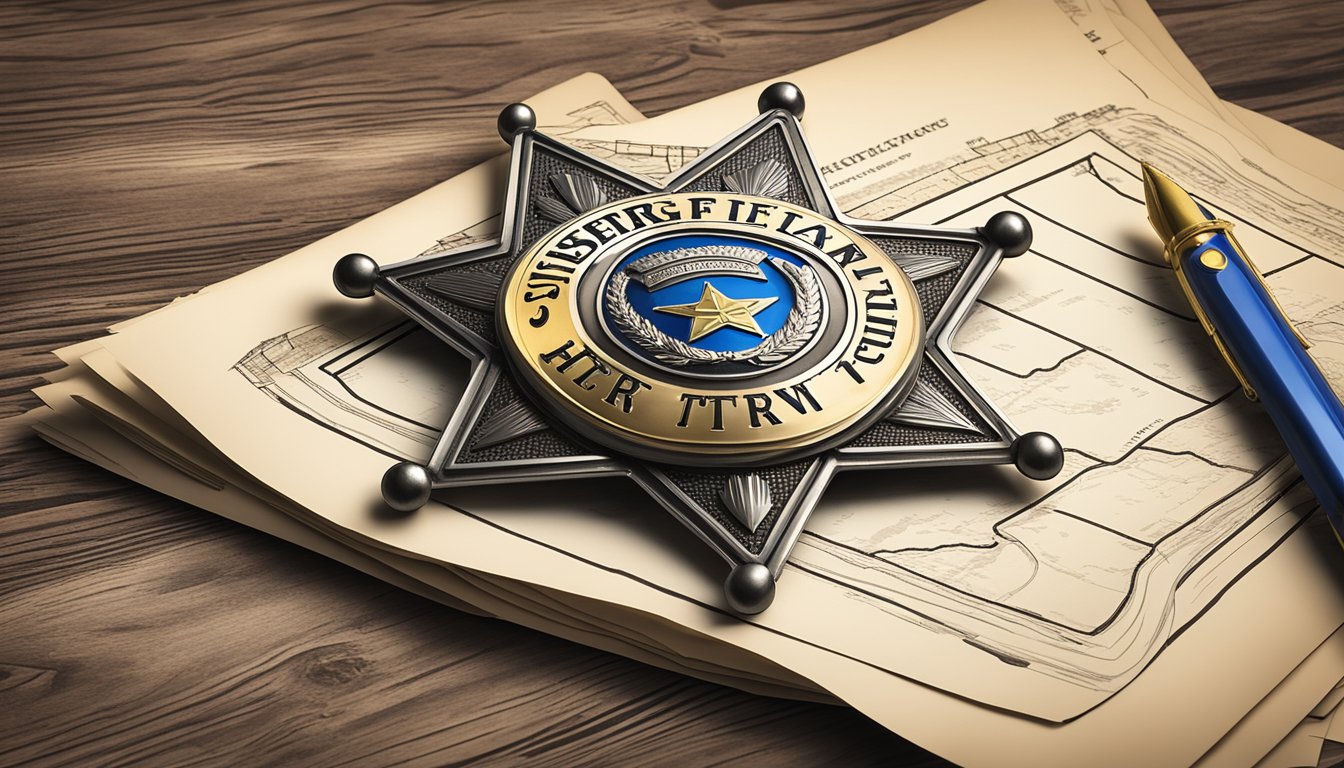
1172 480
1173 484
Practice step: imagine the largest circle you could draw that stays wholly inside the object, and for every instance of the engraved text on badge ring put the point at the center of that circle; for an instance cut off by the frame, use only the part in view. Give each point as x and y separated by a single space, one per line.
581 363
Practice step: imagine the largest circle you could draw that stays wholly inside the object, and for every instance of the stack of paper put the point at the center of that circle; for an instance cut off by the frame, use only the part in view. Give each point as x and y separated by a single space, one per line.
1172 597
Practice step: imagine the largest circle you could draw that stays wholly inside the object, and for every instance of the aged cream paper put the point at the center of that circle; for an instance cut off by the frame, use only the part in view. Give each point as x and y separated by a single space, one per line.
99 408
1036 744
142 468
1261 732
1127 33
231 510
73 426
1142 28
1138 26
969 668
1301 748
1302 150
1053 686
1059 684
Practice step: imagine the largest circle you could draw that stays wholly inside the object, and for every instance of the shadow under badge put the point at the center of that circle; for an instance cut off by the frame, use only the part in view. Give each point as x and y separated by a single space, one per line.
728 339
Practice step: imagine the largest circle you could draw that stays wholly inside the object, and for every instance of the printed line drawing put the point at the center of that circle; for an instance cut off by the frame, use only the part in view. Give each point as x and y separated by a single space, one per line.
1173 486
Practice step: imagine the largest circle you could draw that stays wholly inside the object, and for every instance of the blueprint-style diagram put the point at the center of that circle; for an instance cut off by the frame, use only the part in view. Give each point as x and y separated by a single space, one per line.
1173 485
1174 482
1136 133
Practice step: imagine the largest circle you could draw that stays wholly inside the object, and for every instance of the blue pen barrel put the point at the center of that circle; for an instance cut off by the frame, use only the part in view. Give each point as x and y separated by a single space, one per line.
1302 405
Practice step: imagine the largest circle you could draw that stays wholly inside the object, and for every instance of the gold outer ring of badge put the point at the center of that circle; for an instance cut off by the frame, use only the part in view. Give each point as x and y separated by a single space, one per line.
729 422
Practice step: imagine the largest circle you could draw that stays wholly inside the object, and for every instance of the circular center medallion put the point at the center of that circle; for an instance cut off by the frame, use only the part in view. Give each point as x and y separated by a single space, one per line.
711 328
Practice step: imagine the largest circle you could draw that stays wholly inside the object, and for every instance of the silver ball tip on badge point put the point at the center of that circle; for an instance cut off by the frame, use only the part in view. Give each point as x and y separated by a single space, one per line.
1010 231
406 486
355 275
782 95
1038 455
749 588
515 119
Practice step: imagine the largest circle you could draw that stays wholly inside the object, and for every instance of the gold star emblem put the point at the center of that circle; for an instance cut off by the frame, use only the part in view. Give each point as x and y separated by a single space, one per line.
714 311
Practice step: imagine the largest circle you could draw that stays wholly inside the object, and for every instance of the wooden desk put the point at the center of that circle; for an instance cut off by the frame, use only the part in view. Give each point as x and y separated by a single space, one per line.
152 150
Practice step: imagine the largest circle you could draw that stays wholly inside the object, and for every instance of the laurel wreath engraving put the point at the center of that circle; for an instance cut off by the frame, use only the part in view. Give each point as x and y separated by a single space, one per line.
798 328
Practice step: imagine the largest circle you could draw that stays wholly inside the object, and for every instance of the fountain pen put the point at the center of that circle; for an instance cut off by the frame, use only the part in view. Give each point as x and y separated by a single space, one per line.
1251 331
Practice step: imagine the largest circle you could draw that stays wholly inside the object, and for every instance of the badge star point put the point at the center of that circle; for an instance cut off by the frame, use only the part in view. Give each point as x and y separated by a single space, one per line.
714 310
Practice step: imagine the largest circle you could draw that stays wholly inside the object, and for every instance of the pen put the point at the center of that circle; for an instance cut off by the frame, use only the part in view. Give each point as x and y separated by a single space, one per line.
1249 327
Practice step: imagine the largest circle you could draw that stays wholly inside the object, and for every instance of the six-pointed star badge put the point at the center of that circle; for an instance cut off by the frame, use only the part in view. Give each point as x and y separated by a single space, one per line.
728 338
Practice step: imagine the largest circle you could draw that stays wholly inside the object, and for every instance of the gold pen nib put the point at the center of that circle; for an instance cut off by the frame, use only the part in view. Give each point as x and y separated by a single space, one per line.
1170 208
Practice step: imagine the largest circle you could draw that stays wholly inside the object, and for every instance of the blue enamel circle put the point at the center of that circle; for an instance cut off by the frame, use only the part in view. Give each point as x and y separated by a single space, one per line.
657 303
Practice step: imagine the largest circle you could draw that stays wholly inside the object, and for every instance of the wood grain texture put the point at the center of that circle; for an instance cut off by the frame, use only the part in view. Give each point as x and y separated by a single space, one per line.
149 149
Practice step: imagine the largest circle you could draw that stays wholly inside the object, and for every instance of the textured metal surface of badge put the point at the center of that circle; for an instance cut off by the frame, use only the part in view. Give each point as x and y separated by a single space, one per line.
727 338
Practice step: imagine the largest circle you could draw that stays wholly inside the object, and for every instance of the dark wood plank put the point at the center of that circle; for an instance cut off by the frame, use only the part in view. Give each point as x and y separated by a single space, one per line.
149 149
